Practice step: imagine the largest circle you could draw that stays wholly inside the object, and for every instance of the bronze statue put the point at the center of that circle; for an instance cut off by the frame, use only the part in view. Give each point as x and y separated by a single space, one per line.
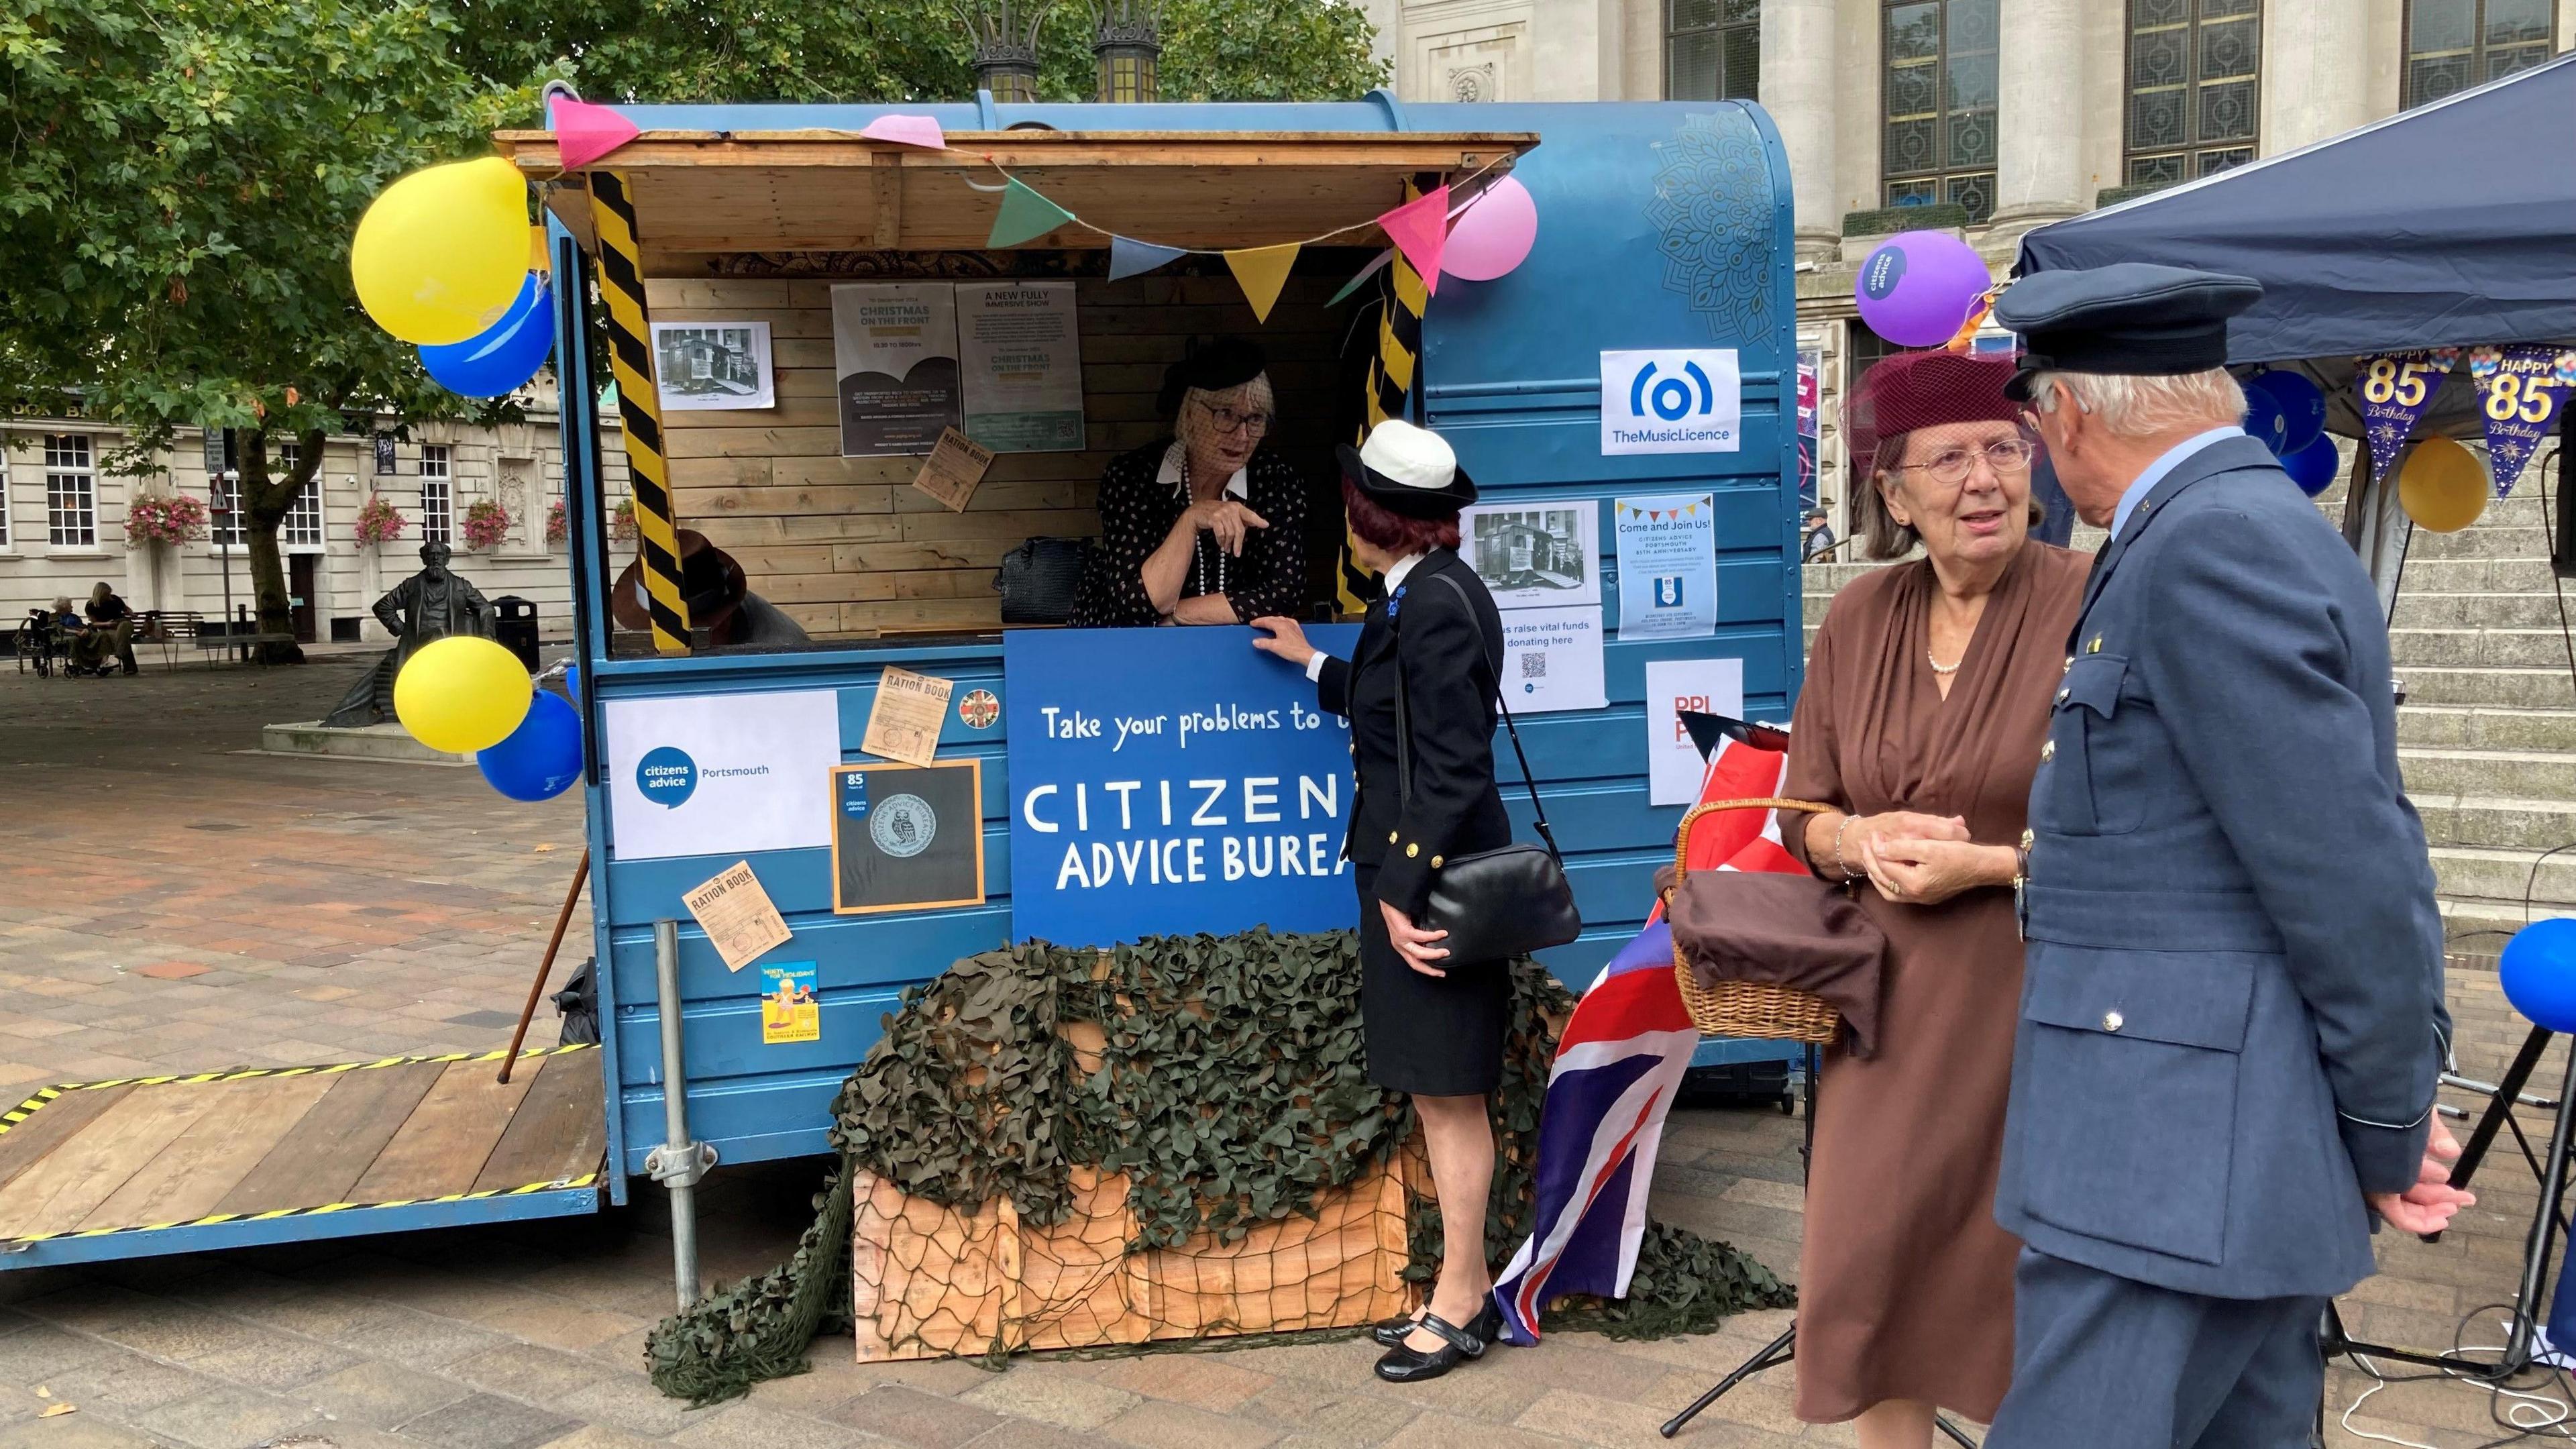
431 604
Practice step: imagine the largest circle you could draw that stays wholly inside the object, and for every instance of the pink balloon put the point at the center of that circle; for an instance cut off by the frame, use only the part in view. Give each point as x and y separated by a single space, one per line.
1916 287
1493 235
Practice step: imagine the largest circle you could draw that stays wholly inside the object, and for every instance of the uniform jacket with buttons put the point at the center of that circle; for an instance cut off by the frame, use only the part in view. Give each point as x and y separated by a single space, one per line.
2232 1017
1451 641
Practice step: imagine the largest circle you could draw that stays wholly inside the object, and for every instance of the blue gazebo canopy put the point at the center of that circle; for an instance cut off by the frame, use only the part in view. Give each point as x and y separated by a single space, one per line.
2453 224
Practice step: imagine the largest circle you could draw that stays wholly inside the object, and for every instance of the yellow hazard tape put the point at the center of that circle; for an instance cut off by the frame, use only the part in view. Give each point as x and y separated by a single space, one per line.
1390 382
44 1095
639 405
27 1108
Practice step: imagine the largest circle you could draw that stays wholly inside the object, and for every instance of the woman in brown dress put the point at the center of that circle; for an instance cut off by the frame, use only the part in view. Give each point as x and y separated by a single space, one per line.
1925 706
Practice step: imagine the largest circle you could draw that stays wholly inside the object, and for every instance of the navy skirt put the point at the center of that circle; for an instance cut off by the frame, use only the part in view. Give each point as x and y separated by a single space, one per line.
1440 1036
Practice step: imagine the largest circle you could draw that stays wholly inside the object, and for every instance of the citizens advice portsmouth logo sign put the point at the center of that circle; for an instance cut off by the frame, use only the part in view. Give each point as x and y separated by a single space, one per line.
1673 400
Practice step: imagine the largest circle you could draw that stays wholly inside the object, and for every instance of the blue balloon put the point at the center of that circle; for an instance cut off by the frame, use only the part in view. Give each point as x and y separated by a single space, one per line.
542 757
2264 418
2313 467
502 357
2302 405
572 681
2539 973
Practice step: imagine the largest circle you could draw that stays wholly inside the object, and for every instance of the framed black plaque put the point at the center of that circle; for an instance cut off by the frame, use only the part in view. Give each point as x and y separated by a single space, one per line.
907 837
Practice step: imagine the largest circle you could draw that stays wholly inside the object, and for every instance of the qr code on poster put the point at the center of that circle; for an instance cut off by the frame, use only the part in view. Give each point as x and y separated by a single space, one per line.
1534 665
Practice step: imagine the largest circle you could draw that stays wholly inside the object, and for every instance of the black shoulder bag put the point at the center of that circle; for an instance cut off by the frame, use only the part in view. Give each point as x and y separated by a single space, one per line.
1495 904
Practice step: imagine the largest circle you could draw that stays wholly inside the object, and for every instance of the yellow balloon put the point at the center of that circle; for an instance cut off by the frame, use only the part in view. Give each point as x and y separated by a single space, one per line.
2441 486
441 253
461 694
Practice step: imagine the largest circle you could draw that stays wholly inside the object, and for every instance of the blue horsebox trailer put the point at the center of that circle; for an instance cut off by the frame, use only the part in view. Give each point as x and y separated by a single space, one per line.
788 313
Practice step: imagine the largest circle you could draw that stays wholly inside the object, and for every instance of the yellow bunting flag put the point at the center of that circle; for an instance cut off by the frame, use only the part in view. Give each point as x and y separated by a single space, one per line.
1261 272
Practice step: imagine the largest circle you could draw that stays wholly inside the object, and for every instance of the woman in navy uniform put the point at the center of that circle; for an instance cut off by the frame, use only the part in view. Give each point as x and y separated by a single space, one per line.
1434 1027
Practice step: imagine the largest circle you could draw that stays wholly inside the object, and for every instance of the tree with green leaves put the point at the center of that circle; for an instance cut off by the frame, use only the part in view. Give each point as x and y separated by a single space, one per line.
905 50
185 176
184 180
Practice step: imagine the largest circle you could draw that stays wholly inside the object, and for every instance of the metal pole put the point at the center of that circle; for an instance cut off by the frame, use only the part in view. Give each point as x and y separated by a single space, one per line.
678 1163
2529 1310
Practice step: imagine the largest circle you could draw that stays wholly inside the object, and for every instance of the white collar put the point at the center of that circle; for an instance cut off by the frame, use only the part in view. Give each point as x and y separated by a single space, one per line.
1238 486
1396 571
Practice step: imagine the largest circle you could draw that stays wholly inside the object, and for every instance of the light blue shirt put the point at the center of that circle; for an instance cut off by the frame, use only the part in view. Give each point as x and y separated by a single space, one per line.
2173 458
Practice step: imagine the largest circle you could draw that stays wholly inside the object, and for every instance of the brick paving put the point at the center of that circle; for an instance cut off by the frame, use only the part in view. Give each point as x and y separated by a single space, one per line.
364 909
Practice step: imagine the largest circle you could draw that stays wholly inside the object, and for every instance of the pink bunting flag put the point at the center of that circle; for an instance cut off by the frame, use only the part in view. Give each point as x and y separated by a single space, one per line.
585 132
920 131
1420 228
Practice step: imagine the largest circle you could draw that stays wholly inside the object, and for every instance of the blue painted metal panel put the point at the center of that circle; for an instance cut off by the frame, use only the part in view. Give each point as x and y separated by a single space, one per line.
301 1228
1662 226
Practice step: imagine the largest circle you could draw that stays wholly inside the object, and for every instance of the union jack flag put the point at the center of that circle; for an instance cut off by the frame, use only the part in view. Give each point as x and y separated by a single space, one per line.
1617 1067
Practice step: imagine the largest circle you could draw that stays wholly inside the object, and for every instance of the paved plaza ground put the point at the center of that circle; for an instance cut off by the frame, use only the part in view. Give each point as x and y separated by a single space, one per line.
173 903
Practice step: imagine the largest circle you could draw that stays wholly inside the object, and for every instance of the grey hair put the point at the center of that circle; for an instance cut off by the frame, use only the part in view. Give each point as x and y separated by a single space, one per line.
2133 406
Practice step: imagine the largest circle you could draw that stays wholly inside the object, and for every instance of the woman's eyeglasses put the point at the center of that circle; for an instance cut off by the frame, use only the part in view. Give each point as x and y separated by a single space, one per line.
1228 419
1951 465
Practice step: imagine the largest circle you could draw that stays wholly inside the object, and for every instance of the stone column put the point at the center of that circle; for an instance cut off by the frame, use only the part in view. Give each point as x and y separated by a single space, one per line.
2316 79
2039 113
1799 45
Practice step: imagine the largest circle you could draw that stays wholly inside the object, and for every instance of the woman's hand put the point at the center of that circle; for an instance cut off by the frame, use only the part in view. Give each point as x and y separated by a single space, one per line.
1285 639
1839 838
1227 518
1916 871
1418 947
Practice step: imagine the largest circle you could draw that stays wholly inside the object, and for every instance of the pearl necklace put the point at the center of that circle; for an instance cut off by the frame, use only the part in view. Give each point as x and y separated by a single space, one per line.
1940 668
1198 543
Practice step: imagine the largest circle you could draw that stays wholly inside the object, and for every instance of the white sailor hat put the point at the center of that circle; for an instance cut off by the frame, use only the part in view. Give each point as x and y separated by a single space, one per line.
1409 470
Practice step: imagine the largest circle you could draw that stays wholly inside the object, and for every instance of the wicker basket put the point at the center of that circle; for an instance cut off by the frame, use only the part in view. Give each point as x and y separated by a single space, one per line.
1747 1008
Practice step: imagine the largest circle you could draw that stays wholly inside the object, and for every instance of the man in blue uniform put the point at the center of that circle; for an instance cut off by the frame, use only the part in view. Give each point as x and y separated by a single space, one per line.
2232 1018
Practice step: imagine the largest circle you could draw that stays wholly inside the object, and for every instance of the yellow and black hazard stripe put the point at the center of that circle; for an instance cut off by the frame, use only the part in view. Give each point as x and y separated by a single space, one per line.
639 404
563 1184
44 1095
1390 386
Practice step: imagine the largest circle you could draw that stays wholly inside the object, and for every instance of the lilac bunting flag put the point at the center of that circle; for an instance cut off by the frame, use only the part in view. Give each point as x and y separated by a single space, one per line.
2394 389
1129 257
2520 390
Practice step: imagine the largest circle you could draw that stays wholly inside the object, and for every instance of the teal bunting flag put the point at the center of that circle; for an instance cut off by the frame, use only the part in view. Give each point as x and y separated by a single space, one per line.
1129 257
1371 270
1025 216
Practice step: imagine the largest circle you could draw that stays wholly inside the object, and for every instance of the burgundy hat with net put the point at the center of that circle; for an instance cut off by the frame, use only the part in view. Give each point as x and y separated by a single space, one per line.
1922 390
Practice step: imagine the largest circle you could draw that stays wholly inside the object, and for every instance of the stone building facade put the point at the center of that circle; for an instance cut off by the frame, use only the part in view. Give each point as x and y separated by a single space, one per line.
62 521
1987 117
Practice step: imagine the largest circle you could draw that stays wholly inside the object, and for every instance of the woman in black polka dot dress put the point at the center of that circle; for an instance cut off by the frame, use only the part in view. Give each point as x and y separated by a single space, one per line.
1205 526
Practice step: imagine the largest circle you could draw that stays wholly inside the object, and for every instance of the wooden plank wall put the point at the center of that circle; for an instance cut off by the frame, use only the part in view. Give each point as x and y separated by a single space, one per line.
848 547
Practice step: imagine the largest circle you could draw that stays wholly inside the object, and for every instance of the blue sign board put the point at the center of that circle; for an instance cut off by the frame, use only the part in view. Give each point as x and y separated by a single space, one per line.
1169 781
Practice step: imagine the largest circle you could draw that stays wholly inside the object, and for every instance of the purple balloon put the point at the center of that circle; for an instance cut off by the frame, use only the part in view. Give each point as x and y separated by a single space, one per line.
1918 286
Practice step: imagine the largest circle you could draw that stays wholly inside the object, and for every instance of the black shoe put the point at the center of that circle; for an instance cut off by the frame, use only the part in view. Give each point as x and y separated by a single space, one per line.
1391 1332
1404 1364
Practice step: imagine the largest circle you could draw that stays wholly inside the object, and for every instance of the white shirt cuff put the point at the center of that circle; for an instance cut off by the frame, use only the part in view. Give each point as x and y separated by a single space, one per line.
1315 665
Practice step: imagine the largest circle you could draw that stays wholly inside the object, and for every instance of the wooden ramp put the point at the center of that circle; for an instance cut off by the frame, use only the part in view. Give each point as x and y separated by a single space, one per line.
152 1165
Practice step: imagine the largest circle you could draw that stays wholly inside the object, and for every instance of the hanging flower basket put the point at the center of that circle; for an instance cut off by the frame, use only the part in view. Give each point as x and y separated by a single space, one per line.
379 521
557 528
175 519
621 524
486 524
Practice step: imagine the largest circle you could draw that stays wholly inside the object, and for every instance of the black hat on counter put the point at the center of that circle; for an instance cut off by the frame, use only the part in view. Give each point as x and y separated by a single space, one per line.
2134 319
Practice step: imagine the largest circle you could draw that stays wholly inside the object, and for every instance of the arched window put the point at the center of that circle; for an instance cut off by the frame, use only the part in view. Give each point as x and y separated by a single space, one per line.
2195 87
1937 93
2452 45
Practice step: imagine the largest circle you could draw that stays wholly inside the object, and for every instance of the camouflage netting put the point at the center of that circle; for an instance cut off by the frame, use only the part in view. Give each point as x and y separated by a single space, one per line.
1223 1078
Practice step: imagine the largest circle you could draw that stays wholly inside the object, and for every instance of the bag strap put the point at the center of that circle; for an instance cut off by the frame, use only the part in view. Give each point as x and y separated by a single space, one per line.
1404 728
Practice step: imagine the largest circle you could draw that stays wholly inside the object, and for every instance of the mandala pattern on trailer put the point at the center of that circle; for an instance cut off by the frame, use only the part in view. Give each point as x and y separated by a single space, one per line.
1713 207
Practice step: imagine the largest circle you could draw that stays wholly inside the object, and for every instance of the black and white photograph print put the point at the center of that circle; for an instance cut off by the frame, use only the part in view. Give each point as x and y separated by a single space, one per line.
1537 554
712 366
